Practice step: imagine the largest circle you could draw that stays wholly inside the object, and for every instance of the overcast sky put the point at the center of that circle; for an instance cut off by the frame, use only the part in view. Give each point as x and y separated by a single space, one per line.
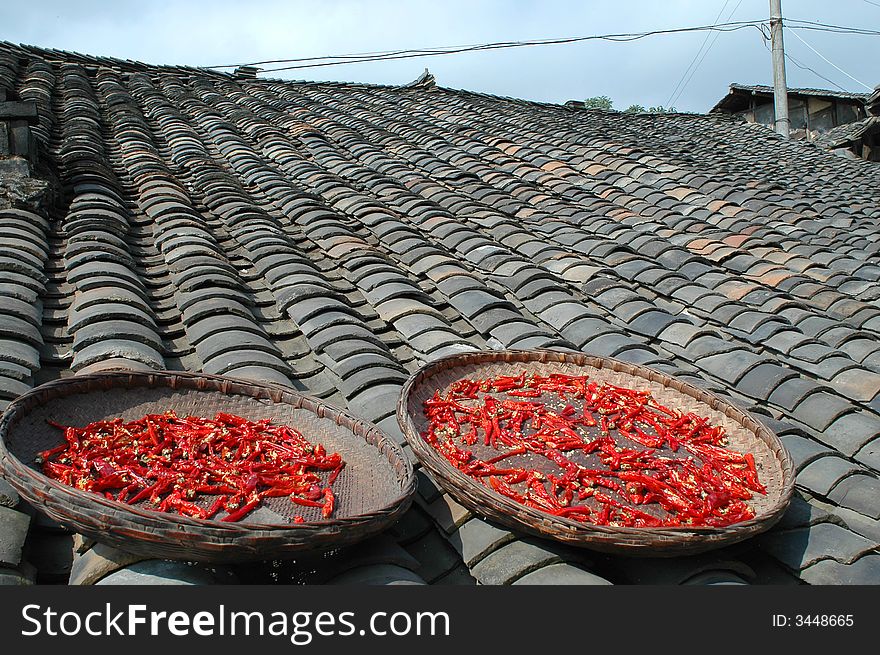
645 72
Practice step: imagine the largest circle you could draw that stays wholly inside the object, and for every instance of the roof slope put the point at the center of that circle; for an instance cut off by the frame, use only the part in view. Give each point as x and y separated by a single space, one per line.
847 133
823 93
733 100
335 236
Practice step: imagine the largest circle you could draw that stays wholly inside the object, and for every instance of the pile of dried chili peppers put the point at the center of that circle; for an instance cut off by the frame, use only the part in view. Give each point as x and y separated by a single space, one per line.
195 466
547 443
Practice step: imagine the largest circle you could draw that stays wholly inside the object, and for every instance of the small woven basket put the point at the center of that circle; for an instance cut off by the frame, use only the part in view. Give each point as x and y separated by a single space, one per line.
745 434
373 490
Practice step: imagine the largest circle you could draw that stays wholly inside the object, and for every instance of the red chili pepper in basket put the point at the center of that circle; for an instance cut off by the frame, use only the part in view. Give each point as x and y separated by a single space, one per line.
570 418
192 465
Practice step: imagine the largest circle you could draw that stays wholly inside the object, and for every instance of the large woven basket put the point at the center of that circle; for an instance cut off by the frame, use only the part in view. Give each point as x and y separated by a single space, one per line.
745 434
373 490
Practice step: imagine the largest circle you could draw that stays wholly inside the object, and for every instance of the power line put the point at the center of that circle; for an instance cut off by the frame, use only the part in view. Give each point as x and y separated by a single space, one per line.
696 56
792 23
873 3
335 60
729 26
714 36
765 41
795 34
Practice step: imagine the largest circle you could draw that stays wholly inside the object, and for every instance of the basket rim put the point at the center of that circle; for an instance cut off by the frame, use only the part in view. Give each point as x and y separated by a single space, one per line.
506 510
21 476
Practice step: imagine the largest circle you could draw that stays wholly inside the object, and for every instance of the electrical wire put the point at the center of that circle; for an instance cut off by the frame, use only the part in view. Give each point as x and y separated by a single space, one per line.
876 4
714 36
797 63
335 60
696 56
790 24
795 34
793 23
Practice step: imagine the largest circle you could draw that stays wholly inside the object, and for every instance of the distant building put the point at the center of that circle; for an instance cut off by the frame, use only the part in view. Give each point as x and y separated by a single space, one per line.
836 120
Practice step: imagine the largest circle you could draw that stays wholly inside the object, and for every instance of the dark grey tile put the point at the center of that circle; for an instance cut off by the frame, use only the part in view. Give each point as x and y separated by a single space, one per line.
536 287
652 323
681 333
857 383
801 513
344 340
730 366
229 361
13 533
435 556
116 329
117 348
792 391
377 575
107 312
546 300
761 381
227 340
708 344
471 303
864 571
447 513
803 450
10 388
490 319
361 380
326 319
392 310
802 547
476 538
860 493
375 402
511 562
563 314
430 342
350 365
267 375
413 525
869 454
609 345
818 410
850 432
459 576
509 333
561 574
428 488
822 474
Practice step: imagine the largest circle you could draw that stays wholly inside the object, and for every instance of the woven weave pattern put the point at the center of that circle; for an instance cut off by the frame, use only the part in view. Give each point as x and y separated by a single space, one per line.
373 490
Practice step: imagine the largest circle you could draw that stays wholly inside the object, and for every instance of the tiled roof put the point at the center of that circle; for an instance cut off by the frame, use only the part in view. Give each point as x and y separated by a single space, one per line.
825 93
334 237
847 133
730 101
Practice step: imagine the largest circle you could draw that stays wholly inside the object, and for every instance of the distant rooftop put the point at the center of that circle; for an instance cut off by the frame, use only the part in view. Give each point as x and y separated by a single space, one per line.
733 100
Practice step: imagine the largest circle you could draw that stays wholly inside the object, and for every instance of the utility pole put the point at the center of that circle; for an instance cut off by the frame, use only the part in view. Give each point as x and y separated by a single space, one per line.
780 91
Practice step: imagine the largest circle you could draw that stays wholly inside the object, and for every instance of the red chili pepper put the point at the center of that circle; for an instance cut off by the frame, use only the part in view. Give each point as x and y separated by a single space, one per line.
329 503
707 486
243 511
170 462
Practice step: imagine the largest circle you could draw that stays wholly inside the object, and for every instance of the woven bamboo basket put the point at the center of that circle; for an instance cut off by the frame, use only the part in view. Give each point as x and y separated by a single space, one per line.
374 489
745 434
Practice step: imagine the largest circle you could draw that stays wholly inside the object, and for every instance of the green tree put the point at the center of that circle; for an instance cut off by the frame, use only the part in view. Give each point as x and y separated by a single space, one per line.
636 109
598 102
604 102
